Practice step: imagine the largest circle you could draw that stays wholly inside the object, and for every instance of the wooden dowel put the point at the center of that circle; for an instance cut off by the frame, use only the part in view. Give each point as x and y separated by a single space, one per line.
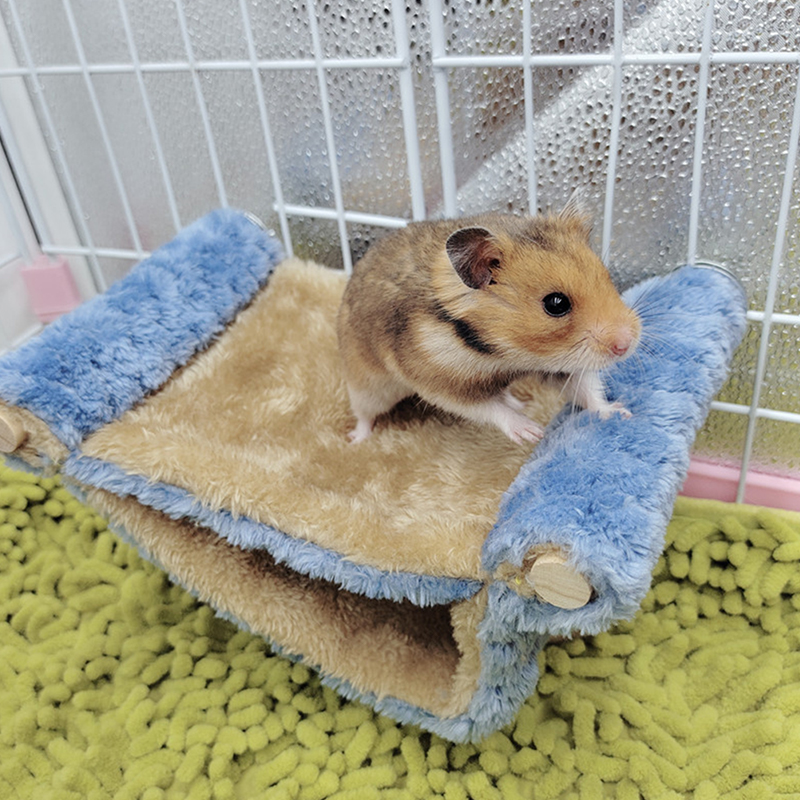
12 433
555 582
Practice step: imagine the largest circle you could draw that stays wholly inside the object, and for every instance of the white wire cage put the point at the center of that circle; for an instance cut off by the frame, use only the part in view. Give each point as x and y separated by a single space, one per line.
334 121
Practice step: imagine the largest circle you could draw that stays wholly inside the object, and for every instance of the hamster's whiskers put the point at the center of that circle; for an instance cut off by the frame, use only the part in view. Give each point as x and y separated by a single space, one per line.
658 343
580 356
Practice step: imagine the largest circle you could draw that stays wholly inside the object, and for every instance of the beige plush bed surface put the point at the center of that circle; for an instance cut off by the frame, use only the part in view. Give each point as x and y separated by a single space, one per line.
256 425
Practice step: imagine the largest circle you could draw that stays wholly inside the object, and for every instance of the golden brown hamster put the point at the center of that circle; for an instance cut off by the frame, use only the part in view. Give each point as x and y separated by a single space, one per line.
456 310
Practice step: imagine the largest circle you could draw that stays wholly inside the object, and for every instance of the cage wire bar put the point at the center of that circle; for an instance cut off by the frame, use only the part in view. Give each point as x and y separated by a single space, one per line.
266 129
443 66
19 248
16 245
527 84
767 320
50 247
613 144
699 136
112 158
21 179
148 110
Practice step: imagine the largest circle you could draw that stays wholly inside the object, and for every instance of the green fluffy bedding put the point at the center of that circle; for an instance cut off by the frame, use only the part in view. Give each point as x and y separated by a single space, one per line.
115 683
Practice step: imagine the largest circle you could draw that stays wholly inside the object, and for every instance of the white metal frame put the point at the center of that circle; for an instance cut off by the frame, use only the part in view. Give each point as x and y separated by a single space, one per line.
442 63
17 244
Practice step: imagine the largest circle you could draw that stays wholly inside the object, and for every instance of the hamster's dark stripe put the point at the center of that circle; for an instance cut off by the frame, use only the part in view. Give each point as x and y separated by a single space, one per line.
398 323
464 331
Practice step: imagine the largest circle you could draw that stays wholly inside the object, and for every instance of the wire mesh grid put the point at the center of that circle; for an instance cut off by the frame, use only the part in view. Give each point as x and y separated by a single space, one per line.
334 121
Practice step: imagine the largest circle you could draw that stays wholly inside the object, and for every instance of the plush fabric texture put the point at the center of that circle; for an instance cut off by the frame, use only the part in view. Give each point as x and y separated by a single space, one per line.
117 683
266 449
393 567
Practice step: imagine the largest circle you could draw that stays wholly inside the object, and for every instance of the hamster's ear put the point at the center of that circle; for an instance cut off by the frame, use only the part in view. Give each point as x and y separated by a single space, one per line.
475 256
576 215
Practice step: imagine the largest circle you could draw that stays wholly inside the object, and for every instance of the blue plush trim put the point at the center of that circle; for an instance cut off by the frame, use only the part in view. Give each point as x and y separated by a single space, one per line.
241 531
92 365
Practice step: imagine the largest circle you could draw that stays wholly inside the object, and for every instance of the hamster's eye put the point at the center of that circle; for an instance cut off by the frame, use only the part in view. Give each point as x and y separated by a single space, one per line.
556 304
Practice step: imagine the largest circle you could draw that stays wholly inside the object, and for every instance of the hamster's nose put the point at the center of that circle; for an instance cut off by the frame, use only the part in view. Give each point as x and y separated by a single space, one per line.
622 343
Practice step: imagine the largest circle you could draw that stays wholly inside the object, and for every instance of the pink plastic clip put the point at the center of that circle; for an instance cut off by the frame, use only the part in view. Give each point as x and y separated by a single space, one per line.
51 287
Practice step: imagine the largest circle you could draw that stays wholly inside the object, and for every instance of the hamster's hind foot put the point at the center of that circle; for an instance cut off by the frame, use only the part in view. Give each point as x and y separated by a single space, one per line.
362 431
380 394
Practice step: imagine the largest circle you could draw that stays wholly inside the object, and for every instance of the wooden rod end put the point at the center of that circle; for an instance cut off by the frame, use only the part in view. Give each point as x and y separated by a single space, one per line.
555 582
12 433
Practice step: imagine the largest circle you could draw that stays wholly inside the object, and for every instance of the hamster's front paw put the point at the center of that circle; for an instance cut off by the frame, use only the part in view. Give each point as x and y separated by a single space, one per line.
587 390
614 408
521 429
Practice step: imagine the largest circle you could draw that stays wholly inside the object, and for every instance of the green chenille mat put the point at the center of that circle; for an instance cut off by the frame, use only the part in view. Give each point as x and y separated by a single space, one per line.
114 683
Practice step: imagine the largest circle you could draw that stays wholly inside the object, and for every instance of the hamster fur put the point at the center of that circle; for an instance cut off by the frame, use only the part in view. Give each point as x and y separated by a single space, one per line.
456 310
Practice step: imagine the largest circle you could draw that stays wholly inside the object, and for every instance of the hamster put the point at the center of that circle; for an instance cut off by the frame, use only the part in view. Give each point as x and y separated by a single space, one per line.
456 310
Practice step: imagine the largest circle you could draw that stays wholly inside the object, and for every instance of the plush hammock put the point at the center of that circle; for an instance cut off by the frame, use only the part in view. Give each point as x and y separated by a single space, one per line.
198 404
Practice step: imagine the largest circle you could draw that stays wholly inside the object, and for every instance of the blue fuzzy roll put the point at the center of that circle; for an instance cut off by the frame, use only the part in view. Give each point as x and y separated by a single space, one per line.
92 365
604 491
